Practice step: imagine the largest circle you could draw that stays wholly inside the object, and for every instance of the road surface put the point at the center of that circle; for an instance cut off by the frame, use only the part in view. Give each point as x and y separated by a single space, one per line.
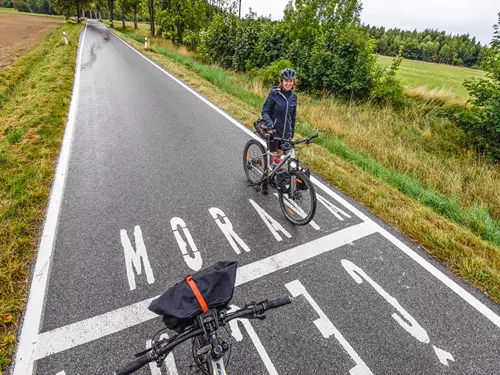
155 189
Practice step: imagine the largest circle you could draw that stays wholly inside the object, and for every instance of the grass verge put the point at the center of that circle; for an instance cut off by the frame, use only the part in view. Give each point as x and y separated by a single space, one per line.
465 239
35 93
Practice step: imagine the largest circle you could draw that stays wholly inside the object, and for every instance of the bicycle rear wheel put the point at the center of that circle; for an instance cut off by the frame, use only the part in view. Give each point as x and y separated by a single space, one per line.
254 161
299 205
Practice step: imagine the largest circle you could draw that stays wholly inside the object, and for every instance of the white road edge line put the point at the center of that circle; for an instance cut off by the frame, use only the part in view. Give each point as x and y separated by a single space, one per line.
94 328
466 296
23 364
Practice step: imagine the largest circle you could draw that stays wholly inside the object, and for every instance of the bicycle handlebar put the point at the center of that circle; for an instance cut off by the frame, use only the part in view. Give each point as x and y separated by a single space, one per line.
136 364
306 140
278 302
165 346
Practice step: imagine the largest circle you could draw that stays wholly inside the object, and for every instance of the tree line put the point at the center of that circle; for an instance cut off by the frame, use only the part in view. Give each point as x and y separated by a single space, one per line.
429 45
30 6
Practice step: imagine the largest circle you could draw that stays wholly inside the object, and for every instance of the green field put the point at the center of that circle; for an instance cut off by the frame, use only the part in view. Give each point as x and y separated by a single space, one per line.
419 74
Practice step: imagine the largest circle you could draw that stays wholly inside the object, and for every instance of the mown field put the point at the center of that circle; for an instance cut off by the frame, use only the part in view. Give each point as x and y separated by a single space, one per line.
408 166
19 34
35 92
446 80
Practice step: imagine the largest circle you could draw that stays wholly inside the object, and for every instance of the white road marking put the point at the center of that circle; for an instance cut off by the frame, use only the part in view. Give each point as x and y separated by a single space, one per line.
31 323
332 208
461 292
133 258
299 211
272 224
410 325
443 356
326 327
227 228
466 296
94 328
194 260
238 336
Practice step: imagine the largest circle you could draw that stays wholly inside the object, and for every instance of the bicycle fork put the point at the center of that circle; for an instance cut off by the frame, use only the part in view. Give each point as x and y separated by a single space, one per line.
216 366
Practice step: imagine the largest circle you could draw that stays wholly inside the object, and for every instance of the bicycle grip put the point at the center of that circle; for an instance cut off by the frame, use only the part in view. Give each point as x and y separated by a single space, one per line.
314 136
134 365
278 302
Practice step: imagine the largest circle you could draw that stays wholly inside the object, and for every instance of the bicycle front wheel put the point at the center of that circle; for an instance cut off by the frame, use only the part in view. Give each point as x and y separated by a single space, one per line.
254 161
299 205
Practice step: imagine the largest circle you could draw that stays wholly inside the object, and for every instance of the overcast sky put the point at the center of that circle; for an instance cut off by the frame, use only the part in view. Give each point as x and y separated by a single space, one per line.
475 17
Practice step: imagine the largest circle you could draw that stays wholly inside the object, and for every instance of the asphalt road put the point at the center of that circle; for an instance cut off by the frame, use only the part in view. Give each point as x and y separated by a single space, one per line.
148 158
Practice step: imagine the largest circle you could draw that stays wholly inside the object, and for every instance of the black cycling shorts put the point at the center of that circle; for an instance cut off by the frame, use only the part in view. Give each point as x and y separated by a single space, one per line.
274 145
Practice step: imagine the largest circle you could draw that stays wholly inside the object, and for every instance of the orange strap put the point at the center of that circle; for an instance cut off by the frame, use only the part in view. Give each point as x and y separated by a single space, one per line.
197 293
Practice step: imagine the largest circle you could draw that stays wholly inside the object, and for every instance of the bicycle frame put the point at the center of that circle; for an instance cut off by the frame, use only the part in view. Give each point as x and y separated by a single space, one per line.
216 366
284 156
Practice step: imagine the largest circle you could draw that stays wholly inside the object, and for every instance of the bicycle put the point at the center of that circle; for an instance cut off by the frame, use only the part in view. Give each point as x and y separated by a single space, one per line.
296 192
209 349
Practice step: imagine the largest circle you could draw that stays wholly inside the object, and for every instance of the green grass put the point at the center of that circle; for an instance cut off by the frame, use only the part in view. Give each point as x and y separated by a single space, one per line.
15 11
35 93
419 74
464 237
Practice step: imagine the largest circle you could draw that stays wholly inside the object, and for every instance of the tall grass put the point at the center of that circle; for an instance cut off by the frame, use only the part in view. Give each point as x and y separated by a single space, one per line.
35 94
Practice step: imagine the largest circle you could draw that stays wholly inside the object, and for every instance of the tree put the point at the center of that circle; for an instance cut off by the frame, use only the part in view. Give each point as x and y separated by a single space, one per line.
482 119
152 14
21 5
445 54
135 5
70 8
461 49
33 6
180 16
125 7
111 4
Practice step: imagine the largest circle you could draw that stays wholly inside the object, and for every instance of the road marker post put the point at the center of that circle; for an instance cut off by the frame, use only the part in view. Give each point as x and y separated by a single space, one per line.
146 43
65 38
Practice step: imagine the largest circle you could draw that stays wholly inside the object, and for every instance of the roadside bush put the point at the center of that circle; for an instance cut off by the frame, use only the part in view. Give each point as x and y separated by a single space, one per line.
342 61
322 39
388 88
272 44
269 75
192 40
247 35
217 41
481 120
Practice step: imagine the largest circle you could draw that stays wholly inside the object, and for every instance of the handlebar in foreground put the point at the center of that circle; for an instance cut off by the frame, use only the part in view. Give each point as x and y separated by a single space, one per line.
136 364
163 347
278 302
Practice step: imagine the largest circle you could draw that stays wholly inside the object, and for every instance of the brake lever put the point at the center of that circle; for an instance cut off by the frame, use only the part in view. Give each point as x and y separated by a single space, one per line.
137 355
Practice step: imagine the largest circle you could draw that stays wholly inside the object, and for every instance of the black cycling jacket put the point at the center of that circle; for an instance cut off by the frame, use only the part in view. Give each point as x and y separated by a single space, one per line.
279 110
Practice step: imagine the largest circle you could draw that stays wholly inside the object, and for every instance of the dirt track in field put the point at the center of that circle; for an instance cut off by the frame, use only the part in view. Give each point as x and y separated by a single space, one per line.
20 33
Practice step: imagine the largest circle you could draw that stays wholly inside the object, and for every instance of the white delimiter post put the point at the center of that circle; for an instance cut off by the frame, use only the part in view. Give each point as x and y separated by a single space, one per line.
65 38
146 43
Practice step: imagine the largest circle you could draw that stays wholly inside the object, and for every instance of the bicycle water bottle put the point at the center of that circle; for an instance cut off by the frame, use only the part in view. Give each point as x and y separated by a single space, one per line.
275 162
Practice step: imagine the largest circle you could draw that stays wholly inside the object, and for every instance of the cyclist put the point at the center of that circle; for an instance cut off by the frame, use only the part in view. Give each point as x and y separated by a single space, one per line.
279 111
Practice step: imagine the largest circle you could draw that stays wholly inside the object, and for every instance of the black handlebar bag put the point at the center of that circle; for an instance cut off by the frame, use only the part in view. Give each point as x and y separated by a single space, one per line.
179 305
